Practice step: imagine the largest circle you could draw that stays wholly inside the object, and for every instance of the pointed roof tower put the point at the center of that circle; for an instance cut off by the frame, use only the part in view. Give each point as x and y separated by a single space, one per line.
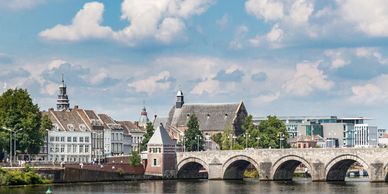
63 99
161 137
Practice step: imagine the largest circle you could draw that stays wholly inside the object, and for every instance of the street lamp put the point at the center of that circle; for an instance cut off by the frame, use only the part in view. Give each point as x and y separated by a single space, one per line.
258 141
11 134
246 135
198 137
233 138
281 138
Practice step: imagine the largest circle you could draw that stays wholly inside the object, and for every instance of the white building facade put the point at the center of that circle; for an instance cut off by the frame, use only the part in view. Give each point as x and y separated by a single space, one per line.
69 146
365 135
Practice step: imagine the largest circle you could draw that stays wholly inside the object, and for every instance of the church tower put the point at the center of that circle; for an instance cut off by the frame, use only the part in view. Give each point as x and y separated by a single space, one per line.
143 120
63 99
179 99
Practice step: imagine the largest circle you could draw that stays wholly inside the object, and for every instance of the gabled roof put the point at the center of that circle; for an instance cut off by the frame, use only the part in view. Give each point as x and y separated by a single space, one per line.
67 121
211 116
109 122
131 127
161 137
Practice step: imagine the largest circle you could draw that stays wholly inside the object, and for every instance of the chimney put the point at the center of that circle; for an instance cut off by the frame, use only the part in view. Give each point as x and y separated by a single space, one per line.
51 109
76 107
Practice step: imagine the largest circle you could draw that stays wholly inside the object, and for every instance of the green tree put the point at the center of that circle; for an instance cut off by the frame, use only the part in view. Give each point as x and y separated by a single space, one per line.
270 132
226 138
147 136
192 134
250 134
135 159
17 111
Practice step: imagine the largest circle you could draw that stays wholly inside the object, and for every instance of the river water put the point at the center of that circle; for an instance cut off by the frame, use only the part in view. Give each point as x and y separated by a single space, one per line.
299 186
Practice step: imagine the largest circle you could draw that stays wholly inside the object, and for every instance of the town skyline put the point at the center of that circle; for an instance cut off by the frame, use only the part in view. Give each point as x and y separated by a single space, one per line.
301 58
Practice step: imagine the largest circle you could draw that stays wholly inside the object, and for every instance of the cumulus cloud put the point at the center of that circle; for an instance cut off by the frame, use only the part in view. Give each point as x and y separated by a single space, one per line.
162 21
364 52
370 17
153 84
208 86
373 93
268 10
85 25
307 79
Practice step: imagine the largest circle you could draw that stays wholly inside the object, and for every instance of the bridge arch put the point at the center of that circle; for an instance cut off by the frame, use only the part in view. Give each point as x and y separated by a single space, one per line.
337 168
235 167
192 168
284 168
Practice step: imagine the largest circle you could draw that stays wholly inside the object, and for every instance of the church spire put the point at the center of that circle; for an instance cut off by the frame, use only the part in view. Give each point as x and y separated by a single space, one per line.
63 99
179 99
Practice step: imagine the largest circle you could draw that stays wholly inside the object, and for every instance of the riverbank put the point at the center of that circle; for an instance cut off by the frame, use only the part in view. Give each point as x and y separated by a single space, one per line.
26 176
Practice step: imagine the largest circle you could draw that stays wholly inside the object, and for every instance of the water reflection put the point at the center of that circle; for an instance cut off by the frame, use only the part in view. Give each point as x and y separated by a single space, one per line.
246 186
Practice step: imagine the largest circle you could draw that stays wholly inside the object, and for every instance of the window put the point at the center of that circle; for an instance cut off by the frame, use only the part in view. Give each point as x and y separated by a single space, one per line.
81 139
51 139
74 148
86 139
56 148
155 162
86 148
68 148
62 148
74 139
62 139
68 139
56 139
81 148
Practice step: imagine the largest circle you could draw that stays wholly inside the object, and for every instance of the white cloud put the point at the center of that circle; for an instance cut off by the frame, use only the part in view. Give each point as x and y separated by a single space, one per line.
20 4
370 17
276 34
237 42
373 93
301 11
265 99
162 21
208 86
152 84
337 57
85 25
307 79
269 10
371 53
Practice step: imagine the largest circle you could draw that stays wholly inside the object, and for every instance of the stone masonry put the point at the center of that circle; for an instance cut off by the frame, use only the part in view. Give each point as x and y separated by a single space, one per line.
280 164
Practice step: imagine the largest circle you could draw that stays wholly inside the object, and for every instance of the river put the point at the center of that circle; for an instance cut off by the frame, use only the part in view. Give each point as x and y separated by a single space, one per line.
299 186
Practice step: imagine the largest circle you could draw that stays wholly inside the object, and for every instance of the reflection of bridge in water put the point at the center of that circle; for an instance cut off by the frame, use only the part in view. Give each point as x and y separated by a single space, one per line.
280 164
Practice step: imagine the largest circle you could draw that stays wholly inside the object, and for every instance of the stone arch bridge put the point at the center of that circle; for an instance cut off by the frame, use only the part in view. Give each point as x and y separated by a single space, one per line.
280 164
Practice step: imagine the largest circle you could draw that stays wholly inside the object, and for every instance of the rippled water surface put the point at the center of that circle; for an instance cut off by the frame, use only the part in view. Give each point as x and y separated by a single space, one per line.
206 187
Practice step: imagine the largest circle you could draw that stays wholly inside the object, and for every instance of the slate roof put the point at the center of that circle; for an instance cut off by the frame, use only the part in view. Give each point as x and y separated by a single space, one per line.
131 127
211 117
109 122
161 137
67 121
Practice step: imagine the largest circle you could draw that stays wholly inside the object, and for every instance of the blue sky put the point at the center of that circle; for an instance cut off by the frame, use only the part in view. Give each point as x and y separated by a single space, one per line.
282 57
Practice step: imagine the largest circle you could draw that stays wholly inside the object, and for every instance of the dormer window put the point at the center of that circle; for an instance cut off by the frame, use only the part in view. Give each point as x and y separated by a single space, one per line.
188 115
226 115
208 116
82 127
56 127
70 127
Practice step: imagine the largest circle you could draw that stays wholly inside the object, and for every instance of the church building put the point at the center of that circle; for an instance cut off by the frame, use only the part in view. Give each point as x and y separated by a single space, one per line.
213 117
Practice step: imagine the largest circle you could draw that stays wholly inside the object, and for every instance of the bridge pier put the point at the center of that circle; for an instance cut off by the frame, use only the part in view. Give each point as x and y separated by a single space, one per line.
215 171
376 172
318 172
265 171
